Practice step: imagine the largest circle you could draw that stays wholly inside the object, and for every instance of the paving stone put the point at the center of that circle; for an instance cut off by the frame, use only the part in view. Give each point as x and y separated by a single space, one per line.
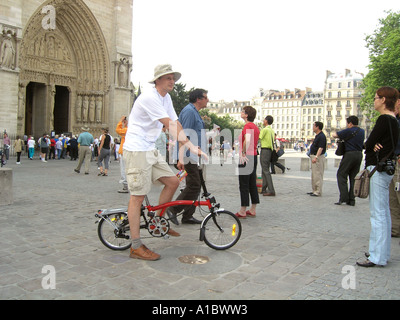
294 249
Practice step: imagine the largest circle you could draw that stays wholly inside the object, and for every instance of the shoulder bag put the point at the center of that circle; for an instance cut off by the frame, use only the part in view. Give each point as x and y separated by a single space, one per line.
341 149
274 155
361 183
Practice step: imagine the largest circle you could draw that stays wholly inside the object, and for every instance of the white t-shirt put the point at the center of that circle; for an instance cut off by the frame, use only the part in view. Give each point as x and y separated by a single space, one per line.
31 143
144 126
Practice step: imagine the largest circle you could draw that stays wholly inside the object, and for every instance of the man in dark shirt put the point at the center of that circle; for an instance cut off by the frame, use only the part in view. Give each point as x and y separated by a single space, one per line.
317 155
351 161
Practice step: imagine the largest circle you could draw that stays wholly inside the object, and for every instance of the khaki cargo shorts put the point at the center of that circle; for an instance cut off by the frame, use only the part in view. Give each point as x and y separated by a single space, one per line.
143 168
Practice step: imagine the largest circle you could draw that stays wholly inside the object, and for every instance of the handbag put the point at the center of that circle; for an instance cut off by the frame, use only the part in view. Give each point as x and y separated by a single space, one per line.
341 148
361 183
280 152
274 156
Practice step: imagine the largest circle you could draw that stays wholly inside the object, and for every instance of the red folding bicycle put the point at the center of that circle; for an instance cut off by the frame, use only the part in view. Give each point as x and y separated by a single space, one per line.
220 229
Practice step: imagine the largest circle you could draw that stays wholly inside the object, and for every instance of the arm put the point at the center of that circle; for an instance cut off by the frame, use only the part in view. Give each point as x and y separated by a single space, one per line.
372 144
121 127
246 142
176 130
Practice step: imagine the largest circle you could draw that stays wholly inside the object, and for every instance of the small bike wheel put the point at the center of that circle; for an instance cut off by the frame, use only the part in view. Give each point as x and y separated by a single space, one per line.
221 230
113 231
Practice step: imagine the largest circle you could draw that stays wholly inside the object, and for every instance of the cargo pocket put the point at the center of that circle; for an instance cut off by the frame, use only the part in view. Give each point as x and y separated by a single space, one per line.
135 179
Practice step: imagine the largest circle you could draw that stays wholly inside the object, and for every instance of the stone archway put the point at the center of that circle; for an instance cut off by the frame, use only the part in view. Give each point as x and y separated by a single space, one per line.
74 56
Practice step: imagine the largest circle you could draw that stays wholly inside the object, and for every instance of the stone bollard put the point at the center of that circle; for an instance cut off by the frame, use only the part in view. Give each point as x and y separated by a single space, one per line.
305 164
6 186
282 162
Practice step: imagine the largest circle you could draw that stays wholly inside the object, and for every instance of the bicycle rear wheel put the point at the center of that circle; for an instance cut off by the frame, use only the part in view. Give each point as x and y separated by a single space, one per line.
221 230
113 231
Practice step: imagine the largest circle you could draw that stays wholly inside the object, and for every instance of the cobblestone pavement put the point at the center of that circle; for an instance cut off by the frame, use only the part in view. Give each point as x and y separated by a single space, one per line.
298 247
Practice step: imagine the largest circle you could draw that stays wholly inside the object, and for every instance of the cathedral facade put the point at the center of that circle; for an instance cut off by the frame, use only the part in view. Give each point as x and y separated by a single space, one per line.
64 64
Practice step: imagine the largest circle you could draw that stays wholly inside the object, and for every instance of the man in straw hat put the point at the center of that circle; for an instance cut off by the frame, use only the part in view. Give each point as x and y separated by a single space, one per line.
144 164
85 139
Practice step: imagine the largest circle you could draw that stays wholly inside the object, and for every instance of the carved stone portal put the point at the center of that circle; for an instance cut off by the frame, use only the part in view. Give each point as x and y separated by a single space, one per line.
73 55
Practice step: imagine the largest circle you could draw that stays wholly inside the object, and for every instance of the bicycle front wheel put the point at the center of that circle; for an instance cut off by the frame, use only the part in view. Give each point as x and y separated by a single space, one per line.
113 231
221 230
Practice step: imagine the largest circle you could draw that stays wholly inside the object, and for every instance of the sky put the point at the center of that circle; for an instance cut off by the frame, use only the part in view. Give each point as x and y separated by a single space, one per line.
233 48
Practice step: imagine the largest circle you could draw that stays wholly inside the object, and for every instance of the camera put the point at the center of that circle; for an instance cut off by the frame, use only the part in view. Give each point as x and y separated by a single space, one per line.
387 166
397 186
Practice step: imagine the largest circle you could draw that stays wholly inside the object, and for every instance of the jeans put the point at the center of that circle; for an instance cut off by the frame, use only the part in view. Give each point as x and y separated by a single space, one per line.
381 224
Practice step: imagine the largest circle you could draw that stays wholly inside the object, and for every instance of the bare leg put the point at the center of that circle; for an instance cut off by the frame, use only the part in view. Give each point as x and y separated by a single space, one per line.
170 186
135 204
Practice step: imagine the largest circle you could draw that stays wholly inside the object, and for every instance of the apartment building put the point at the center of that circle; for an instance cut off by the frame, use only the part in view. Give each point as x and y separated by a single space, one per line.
295 111
342 99
285 108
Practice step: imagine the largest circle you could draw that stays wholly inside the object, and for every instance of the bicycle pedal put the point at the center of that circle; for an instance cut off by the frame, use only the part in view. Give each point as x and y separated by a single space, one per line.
151 214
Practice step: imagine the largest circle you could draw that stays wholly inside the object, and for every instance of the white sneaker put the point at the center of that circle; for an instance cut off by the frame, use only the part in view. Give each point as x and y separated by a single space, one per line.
18 162
44 160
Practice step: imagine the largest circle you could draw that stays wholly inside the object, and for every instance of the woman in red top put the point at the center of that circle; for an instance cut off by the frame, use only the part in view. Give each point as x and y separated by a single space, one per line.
248 141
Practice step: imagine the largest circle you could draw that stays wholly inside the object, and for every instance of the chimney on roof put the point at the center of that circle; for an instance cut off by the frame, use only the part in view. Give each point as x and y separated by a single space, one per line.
328 73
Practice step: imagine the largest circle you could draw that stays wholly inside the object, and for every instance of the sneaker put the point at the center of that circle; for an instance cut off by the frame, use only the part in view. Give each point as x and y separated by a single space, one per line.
123 190
144 253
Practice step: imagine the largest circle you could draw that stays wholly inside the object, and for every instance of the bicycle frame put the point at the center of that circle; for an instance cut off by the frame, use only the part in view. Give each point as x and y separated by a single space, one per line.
209 202
224 231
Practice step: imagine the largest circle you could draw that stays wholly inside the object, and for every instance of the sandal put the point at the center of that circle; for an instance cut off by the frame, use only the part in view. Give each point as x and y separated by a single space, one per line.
249 214
104 174
100 174
240 216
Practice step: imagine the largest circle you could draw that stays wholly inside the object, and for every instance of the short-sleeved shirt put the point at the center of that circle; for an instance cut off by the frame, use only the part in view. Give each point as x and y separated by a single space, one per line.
194 128
354 143
319 142
85 139
267 137
252 129
144 126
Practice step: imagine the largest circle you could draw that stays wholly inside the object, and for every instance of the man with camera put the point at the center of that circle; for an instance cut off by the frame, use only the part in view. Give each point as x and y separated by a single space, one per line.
351 160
